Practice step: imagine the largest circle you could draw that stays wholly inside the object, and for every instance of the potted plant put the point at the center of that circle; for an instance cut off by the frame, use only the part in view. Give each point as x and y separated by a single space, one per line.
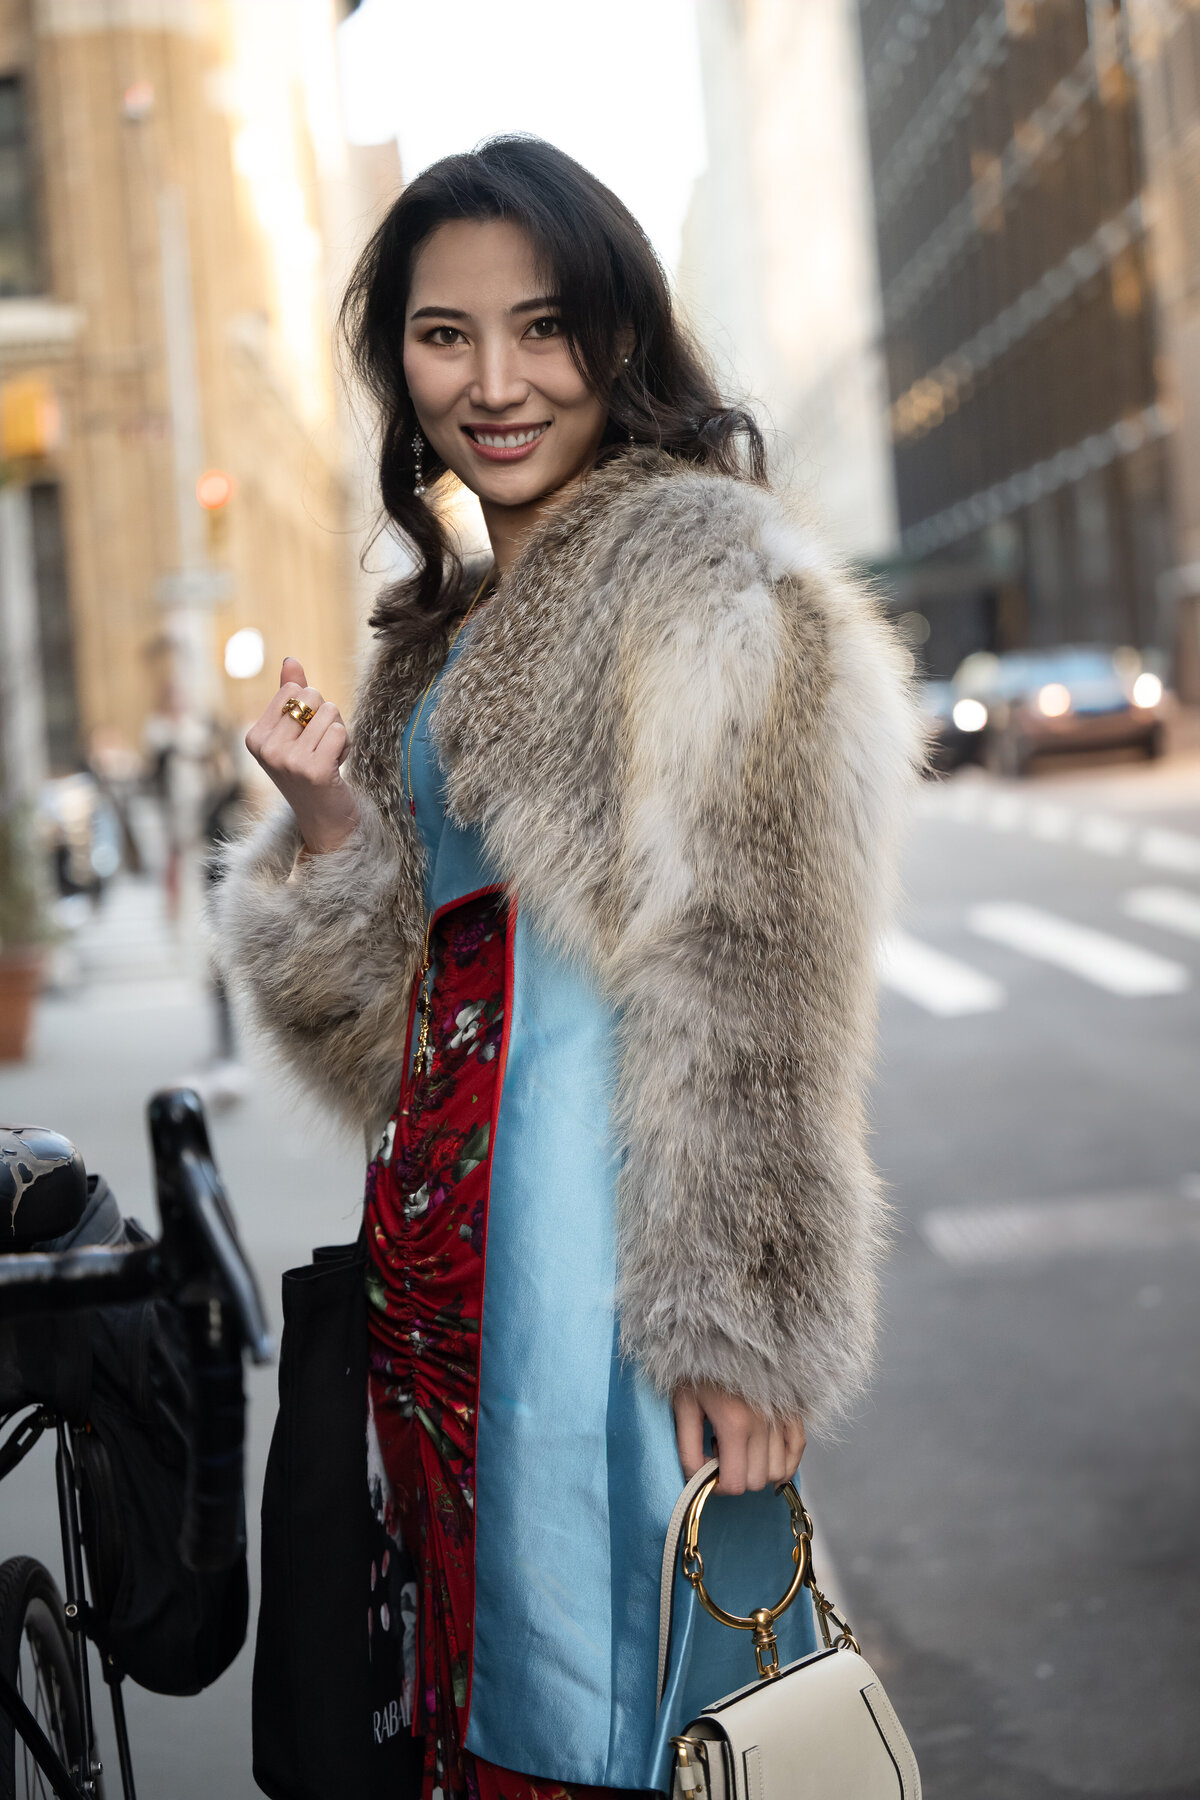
22 930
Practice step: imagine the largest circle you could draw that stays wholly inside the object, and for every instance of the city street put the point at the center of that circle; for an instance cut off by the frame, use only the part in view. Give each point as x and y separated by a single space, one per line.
1011 1518
1014 1514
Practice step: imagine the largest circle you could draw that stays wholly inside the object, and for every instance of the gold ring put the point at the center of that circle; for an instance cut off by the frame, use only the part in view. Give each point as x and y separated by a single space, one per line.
300 710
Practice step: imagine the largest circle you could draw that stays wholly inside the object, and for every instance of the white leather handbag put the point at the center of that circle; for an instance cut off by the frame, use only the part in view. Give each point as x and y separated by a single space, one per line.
819 1728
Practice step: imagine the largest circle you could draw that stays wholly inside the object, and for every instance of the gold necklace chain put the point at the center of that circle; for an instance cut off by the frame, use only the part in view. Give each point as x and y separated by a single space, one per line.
424 997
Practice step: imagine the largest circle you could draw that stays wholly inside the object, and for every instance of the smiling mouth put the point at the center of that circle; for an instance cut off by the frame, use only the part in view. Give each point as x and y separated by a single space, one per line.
518 438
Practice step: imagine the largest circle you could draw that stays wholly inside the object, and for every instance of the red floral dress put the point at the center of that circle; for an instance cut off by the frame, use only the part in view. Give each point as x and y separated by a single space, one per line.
426 1216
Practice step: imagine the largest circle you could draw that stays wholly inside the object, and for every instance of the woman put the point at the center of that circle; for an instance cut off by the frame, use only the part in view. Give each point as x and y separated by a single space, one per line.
588 922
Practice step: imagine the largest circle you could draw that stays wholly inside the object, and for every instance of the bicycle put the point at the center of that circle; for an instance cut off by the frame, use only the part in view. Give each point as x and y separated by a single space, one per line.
47 1733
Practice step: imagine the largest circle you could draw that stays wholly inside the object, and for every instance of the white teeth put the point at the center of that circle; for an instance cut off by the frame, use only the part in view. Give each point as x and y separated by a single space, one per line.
511 440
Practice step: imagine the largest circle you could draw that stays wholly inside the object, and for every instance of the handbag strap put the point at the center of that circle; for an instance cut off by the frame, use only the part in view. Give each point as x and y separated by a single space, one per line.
824 1609
669 1564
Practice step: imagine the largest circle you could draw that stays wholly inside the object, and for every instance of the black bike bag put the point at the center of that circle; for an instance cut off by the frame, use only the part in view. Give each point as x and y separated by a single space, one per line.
121 1376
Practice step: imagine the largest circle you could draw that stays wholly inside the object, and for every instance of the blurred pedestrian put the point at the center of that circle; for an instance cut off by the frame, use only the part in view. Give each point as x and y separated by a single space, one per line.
584 935
223 816
116 769
176 746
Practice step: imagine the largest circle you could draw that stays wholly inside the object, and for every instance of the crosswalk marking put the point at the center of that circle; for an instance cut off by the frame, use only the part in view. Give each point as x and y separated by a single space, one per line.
1171 908
1108 962
1053 824
1110 837
1000 809
978 1235
1005 812
931 979
1170 850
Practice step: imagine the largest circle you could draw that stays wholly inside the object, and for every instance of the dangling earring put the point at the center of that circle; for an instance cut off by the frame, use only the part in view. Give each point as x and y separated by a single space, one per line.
625 364
418 447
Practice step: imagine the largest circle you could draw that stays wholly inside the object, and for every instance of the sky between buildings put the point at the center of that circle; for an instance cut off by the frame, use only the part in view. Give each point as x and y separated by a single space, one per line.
615 83
736 142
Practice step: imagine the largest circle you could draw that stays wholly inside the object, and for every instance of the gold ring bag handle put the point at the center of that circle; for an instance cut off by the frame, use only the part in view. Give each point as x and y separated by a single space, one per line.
683 1541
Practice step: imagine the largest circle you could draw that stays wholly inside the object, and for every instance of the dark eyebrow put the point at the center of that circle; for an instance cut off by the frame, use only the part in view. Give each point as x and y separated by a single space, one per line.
543 303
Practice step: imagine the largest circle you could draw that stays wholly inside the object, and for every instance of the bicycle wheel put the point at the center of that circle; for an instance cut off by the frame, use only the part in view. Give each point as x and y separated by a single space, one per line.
35 1654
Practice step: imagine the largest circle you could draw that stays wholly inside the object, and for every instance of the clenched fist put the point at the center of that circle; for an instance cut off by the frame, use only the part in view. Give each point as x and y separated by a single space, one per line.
305 762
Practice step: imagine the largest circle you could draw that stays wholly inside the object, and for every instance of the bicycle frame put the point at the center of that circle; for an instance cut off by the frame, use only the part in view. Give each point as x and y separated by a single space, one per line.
82 1783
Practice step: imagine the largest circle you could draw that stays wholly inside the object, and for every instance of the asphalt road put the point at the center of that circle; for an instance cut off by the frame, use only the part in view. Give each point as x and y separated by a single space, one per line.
1013 1517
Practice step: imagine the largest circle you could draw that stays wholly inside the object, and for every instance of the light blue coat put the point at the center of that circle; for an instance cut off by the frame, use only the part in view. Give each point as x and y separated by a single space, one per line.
577 1468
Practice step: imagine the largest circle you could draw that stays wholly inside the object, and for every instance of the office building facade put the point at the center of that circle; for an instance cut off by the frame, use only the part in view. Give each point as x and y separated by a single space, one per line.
1030 430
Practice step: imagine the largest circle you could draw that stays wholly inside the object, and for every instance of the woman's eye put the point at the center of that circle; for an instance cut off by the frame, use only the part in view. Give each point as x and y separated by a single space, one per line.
443 334
545 328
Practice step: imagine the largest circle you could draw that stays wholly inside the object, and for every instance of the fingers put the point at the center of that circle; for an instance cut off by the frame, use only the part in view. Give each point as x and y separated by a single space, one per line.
272 737
689 1431
290 727
324 738
778 1467
758 1442
754 1451
292 686
733 1450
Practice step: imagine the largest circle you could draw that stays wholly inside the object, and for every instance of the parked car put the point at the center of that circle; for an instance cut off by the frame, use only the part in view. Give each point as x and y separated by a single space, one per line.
1027 703
955 725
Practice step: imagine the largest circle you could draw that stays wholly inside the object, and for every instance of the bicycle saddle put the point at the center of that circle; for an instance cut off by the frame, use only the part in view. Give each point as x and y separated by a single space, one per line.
43 1186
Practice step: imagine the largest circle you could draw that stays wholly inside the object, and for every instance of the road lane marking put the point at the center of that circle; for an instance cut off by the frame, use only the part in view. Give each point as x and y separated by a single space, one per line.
1005 812
976 803
1051 823
1108 962
963 803
1107 836
931 979
1171 908
1027 1230
1170 850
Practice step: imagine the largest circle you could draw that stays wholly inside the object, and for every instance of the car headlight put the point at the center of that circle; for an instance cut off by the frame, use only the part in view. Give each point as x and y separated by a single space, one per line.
1054 700
1147 689
969 715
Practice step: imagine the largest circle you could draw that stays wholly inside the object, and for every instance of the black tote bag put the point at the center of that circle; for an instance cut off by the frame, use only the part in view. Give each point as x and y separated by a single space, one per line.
325 1710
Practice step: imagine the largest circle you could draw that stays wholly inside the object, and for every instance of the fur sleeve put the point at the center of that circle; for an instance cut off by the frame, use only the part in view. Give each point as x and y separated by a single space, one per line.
326 951
773 745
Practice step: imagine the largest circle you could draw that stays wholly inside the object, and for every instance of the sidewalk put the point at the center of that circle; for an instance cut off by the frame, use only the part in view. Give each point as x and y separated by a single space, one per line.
133 1016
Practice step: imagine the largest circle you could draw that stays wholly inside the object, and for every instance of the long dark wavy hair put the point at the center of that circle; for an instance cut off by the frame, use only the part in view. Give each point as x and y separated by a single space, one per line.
601 268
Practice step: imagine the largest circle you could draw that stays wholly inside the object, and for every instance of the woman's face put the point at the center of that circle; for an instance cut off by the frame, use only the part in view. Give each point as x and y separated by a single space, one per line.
489 368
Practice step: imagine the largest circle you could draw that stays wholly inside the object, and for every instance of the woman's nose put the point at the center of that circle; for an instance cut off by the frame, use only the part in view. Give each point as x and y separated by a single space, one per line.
498 383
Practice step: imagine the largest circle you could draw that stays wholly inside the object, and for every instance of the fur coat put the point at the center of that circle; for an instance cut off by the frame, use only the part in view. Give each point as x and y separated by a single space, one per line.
688 739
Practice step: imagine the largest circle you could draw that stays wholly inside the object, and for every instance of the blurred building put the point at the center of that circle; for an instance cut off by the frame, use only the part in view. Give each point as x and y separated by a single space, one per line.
778 270
1166 45
1030 433
178 205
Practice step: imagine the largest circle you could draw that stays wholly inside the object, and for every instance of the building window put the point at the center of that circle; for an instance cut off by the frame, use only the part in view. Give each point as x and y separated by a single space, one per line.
54 629
18 245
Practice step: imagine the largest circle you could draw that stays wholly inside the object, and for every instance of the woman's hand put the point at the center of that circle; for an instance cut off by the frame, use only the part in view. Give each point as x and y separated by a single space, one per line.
753 1451
305 762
